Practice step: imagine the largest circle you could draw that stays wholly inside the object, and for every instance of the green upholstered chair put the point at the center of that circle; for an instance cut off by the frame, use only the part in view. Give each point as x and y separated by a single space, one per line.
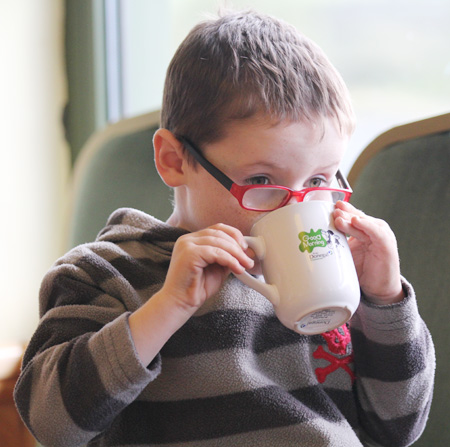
403 177
116 169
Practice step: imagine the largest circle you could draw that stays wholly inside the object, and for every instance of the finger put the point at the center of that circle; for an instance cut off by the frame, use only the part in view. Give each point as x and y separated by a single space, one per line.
346 226
250 253
377 230
227 245
369 231
235 235
214 238
348 208
215 235
216 255
232 232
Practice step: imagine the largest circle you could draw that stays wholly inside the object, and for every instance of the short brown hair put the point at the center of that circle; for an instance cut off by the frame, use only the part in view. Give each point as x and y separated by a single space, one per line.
245 63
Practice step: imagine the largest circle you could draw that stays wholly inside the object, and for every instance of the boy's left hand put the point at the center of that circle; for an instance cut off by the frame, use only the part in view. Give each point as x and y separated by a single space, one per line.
374 249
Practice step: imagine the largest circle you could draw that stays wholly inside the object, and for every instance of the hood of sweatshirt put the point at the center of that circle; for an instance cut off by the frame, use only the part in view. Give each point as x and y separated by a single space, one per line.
127 224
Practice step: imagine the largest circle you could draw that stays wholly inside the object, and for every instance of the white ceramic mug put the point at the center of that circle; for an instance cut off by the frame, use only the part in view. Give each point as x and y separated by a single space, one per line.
310 277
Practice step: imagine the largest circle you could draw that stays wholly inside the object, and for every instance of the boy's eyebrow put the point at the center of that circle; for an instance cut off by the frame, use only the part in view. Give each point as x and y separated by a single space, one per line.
262 164
274 165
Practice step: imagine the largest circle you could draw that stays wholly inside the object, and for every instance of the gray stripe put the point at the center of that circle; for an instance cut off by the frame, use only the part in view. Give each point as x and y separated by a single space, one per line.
384 396
238 370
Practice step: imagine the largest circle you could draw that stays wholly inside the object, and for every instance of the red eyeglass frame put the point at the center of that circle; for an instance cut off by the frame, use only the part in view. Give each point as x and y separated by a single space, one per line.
238 191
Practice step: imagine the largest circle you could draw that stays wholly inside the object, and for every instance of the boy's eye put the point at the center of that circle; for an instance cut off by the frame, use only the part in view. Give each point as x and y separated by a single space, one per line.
316 182
258 180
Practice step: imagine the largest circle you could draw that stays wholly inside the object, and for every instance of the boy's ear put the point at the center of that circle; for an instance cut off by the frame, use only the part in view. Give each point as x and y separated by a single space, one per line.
169 159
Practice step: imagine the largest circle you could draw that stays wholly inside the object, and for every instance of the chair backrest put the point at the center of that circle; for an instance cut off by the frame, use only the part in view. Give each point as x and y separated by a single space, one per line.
403 177
116 169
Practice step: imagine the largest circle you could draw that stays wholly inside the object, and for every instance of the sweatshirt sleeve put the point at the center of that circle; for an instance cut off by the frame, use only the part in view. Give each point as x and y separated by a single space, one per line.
395 365
81 368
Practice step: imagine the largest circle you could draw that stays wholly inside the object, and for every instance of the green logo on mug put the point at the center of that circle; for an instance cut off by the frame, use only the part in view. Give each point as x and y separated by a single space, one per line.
311 240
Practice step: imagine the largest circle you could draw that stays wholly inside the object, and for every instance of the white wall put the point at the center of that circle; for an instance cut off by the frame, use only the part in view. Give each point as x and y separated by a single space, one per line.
34 159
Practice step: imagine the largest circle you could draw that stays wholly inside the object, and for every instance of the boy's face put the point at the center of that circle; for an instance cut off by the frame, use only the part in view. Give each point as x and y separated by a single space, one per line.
296 155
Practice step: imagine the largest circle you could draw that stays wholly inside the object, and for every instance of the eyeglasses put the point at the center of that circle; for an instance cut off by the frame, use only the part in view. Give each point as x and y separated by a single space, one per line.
270 197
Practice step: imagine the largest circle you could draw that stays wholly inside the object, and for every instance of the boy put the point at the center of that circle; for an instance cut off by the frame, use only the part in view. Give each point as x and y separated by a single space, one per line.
146 337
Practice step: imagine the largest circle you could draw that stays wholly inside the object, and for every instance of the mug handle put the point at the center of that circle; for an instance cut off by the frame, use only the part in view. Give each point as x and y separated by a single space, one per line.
270 291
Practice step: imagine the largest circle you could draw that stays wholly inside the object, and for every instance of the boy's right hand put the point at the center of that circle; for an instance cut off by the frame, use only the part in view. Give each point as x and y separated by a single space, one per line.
200 263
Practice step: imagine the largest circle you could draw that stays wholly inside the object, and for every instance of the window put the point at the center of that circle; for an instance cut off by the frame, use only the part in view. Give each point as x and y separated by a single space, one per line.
394 56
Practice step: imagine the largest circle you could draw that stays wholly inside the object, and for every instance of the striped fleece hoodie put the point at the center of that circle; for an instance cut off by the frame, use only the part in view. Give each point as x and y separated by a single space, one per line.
231 376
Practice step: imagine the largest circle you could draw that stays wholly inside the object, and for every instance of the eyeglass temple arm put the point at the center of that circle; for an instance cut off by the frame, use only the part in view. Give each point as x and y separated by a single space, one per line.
342 181
216 173
226 181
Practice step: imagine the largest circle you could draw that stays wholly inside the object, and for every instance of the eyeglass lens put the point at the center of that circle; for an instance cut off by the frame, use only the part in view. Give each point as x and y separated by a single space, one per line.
327 196
264 198
271 198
